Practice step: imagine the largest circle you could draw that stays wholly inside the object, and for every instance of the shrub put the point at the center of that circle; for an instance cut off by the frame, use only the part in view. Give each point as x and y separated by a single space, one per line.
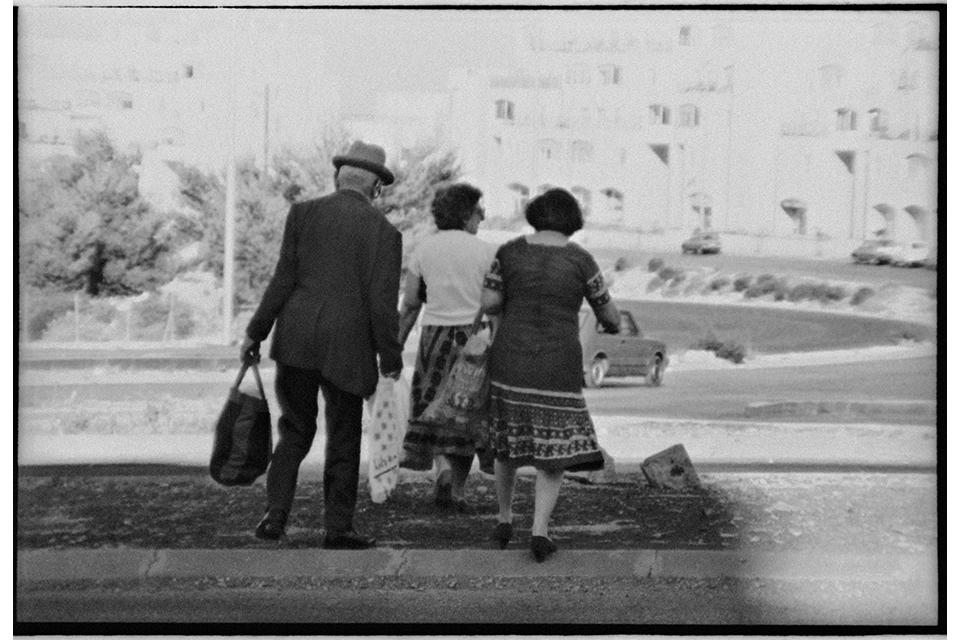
654 265
802 291
767 284
678 277
861 294
654 284
152 311
622 264
718 283
44 310
732 350
742 282
835 293
667 273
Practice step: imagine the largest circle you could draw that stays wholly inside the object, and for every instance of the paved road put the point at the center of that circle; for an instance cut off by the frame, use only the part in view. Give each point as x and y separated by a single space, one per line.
492 601
695 394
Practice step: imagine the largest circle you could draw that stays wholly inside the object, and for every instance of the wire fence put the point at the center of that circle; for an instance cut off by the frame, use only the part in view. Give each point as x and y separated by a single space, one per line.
74 317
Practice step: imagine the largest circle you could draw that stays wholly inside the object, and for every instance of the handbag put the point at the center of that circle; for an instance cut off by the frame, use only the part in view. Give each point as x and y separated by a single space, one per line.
463 395
243 440
386 426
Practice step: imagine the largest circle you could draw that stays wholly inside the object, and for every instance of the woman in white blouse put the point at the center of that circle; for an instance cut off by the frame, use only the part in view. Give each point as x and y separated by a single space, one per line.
444 280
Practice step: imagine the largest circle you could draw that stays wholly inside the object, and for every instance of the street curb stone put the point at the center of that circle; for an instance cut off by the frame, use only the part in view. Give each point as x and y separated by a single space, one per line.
52 565
842 407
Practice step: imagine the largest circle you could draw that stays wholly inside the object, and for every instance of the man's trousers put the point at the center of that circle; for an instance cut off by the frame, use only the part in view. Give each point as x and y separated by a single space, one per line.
297 391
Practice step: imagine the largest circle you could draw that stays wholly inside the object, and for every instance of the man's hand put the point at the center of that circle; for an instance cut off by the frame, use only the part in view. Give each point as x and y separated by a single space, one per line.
393 375
249 351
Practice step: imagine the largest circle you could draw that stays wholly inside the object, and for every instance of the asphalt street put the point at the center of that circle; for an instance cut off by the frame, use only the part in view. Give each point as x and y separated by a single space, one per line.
696 394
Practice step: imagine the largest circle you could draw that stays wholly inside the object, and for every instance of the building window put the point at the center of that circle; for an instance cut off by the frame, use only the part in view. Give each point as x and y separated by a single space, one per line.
127 104
549 149
689 116
504 110
610 74
846 120
878 121
581 151
659 114
685 36
188 71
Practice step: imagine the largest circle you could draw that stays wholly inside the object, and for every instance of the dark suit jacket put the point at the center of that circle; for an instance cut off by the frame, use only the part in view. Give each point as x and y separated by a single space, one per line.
334 293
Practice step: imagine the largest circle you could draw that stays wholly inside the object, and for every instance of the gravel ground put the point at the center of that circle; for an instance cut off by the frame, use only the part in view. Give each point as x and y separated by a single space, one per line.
848 513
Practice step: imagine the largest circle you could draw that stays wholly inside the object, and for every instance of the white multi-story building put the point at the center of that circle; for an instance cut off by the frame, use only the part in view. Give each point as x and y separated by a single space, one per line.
801 124
168 96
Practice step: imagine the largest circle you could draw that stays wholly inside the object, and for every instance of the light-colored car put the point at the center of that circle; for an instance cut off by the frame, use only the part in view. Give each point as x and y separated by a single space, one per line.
914 255
627 353
701 242
878 251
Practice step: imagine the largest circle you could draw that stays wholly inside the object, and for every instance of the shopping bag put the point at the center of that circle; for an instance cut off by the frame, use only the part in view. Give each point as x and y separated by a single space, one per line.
463 394
386 427
243 439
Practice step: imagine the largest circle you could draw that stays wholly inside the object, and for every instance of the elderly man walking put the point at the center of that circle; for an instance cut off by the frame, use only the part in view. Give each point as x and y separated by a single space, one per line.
333 297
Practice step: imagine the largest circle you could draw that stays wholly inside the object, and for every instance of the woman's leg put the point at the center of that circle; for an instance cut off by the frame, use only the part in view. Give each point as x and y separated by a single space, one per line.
506 479
545 499
459 472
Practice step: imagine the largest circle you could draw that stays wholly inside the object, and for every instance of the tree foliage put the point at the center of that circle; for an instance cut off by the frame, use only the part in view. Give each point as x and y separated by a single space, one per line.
264 198
84 225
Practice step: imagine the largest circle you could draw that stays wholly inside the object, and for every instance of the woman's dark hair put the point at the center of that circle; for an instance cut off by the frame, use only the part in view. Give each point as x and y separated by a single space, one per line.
555 210
452 206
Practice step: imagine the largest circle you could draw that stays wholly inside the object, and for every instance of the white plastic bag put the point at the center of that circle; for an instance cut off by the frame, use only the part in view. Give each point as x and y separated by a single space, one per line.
386 425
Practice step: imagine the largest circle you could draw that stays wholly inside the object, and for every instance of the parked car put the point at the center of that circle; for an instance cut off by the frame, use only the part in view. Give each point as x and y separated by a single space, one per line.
625 354
701 242
878 251
914 255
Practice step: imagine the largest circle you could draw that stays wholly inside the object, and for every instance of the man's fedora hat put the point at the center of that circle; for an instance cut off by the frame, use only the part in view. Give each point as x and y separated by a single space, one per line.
366 156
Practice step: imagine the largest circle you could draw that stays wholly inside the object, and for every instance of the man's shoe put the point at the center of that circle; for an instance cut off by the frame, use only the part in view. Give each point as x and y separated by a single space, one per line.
273 526
348 540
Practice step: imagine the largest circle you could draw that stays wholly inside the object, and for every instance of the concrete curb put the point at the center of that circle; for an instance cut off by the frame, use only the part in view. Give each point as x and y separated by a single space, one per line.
770 409
119 564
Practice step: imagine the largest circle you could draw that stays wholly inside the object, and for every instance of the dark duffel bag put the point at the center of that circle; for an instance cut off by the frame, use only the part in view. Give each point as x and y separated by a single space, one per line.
243 440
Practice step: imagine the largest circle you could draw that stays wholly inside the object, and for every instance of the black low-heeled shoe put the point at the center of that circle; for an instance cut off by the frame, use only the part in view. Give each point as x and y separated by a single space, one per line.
503 533
542 547
272 527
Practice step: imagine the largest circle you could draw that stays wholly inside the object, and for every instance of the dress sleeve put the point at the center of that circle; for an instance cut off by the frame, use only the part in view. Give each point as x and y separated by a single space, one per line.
595 288
494 279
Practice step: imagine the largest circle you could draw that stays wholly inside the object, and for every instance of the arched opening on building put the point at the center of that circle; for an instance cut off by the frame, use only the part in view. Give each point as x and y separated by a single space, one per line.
796 210
662 151
887 227
702 206
921 227
582 194
520 196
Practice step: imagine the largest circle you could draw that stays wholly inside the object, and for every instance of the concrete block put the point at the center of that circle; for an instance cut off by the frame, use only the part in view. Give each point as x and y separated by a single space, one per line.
670 469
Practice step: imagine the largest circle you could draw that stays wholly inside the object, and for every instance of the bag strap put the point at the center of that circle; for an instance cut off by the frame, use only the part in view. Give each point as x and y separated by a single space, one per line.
256 374
477 321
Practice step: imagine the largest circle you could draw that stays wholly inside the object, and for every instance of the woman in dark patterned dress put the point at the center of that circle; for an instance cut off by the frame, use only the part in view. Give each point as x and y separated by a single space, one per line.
538 414
445 278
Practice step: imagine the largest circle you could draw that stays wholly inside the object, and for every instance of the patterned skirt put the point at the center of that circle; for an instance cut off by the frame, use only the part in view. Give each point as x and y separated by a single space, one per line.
549 430
439 348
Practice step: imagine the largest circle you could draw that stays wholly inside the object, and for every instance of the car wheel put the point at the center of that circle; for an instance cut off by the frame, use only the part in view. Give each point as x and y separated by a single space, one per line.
597 372
655 376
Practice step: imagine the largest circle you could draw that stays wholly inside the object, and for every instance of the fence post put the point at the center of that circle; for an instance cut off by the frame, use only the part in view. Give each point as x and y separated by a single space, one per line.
167 330
76 317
